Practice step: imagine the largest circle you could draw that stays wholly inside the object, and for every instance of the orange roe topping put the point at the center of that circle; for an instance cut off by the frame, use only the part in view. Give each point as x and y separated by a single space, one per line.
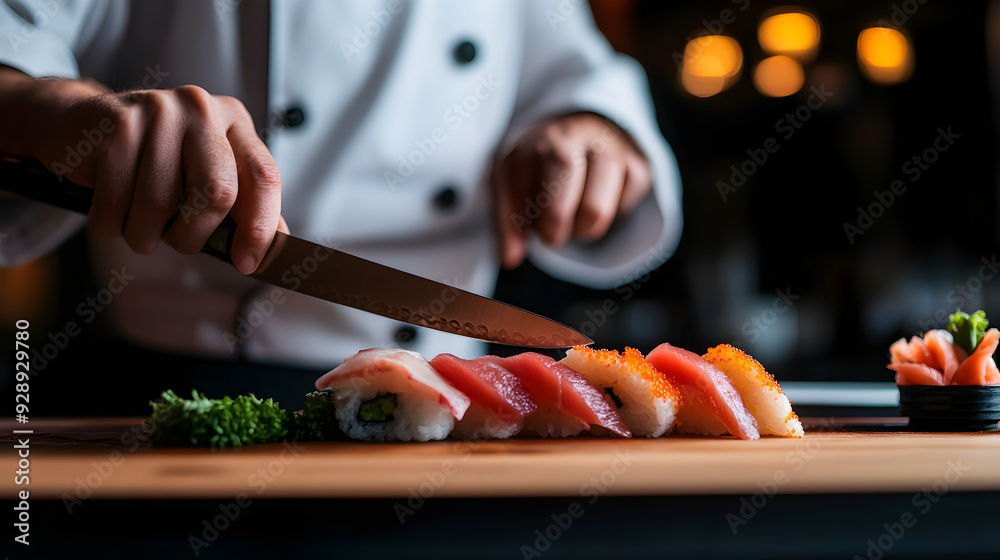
632 361
727 353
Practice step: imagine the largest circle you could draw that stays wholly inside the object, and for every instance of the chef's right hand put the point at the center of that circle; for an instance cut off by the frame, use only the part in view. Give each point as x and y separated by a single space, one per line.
147 152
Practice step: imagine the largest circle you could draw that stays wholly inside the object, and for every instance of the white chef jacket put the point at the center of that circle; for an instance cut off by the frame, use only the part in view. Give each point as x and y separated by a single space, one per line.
384 117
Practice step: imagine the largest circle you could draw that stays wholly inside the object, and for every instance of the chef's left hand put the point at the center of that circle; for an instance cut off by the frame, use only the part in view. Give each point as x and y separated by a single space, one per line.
567 178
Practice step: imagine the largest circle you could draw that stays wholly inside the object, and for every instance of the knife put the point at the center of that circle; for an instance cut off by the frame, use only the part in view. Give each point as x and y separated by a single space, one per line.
328 274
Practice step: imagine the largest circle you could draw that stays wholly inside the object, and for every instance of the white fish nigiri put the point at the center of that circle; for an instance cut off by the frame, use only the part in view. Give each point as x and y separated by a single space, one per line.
393 394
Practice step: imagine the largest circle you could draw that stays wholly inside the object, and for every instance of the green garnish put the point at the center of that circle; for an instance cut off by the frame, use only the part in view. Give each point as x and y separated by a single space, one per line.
203 422
968 330
379 409
318 420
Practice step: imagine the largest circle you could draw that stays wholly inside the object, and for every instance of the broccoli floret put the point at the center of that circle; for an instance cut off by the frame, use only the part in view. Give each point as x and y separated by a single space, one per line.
317 420
203 422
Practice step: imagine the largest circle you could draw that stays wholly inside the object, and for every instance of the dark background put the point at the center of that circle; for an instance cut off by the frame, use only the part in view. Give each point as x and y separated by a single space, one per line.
784 228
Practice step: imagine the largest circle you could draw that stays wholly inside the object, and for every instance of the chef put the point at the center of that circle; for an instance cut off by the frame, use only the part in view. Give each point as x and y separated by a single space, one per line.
444 138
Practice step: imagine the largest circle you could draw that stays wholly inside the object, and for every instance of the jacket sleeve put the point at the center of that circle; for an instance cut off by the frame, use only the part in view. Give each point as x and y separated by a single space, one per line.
569 66
41 39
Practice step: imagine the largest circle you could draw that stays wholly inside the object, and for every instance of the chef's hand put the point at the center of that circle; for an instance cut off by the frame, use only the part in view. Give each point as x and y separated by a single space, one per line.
567 178
145 153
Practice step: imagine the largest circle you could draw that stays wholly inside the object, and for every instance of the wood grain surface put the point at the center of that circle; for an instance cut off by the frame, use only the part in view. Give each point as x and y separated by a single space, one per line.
108 458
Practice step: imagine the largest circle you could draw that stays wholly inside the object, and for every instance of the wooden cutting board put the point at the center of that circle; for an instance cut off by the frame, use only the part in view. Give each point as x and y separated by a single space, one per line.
105 459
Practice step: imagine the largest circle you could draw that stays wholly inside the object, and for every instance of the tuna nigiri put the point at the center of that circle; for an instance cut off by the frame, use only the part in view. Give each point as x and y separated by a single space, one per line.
568 404
712 405
386 395
759 390
499 401
646 400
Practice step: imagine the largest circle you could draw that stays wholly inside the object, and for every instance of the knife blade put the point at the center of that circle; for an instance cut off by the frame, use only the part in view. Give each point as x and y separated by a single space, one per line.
329 274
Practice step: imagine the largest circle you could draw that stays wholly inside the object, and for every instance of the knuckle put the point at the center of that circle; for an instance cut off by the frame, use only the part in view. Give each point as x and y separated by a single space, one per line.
220 193
195 97
263 171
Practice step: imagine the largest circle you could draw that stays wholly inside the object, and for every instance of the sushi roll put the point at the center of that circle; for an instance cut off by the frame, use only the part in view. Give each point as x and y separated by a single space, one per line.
499 401
567 403
759 391
646 400
389 395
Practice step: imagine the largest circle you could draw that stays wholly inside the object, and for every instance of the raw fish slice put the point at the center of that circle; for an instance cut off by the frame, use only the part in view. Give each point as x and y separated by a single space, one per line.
426 405
647 401
914 351
704 383
916 374
553 383
397 370
976 369
759 390
946 354
499 401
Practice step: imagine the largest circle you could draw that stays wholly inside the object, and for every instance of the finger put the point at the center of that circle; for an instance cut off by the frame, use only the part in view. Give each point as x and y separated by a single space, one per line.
210 185
601 195
282 225
558 190
509 211
158 186
114 177
638 183
257 210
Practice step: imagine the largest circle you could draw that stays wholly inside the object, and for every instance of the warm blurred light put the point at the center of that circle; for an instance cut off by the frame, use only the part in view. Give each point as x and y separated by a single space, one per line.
795 34
711 64
778 76
885 55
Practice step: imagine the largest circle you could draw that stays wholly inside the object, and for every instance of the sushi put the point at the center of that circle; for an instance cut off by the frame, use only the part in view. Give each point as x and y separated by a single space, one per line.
389 395
499 401
567 403
647 401
760 392
712 405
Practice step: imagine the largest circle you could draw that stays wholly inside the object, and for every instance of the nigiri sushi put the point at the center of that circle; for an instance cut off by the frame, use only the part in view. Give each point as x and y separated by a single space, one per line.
499 401
759 390
647 401
712 405
391 394
567 403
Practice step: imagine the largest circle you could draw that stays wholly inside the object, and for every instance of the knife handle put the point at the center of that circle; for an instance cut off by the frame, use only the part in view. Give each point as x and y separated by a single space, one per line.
30 179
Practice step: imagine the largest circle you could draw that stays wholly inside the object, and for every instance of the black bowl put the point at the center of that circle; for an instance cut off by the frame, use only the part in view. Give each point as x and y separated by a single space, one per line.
951 408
